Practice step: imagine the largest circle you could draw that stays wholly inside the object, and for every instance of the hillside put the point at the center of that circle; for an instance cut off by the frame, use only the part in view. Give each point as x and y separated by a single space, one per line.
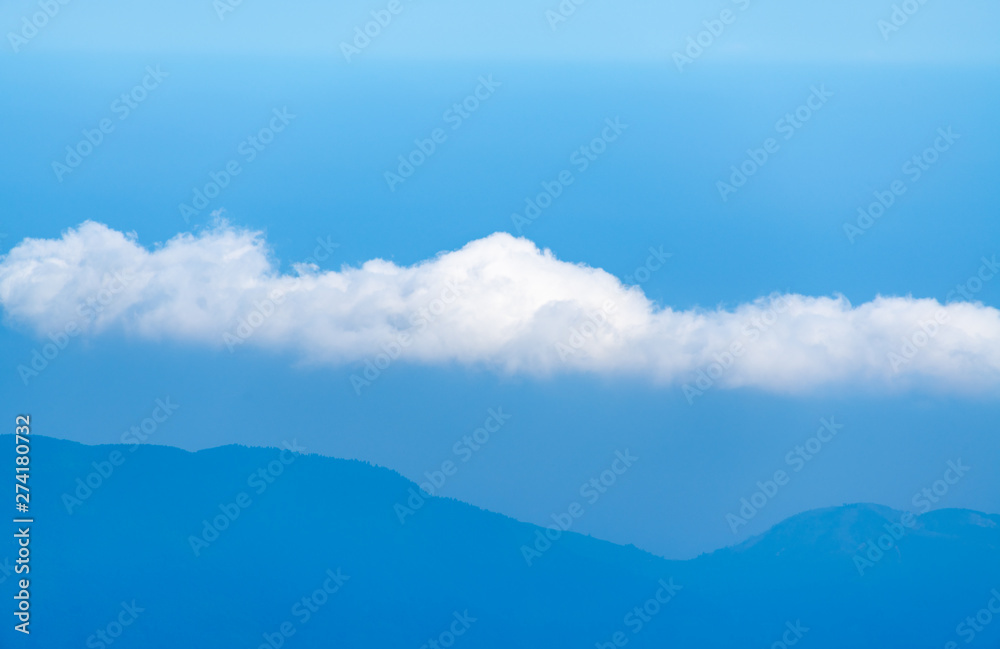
315 520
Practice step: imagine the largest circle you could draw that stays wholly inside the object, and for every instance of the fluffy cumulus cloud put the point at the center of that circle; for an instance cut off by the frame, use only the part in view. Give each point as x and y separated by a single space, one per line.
498 302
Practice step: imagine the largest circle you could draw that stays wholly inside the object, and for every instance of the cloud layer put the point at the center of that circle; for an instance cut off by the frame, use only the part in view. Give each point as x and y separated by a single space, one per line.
498 302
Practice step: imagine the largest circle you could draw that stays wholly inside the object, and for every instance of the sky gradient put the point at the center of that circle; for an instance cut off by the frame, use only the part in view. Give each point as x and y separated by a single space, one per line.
316 192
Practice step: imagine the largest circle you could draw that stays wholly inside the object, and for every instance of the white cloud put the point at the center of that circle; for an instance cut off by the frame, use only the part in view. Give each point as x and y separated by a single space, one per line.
499 302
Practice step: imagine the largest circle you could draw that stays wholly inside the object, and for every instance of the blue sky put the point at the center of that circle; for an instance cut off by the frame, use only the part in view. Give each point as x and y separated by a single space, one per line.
322 179
640 30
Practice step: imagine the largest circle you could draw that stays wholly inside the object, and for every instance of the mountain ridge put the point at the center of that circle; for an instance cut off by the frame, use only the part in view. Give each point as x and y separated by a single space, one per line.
169 528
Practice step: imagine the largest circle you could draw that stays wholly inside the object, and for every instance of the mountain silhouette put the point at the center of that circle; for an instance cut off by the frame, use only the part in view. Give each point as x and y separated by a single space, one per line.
262 547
